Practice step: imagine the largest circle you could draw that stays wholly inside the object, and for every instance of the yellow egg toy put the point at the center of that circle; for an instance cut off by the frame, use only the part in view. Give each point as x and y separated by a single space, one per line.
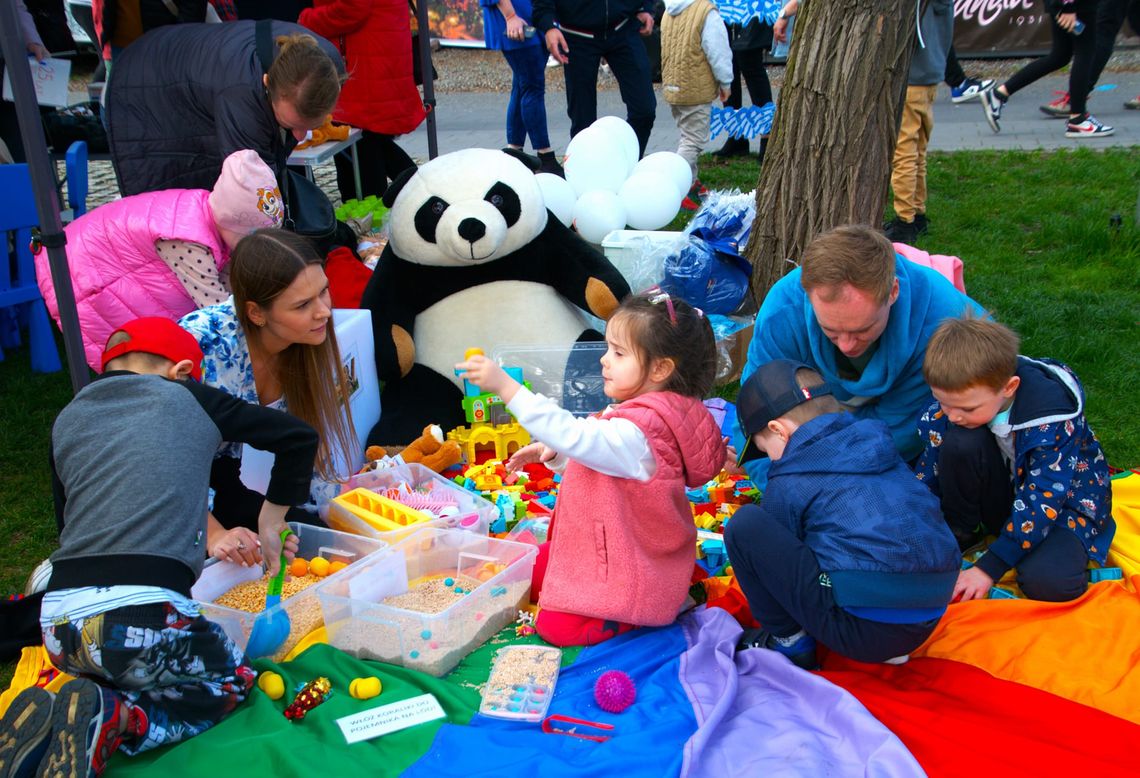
365 688
272 684
336 567
298 568
319 566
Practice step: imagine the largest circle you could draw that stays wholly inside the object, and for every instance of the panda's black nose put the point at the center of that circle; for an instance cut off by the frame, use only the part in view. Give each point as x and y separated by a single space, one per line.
472 230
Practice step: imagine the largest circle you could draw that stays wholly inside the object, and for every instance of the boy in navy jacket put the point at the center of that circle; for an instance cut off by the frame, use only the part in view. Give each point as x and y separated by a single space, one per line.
846 547
1008 452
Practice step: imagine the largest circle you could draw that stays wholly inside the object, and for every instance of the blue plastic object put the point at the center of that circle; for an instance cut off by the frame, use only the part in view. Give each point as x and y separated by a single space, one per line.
271 629
1105 574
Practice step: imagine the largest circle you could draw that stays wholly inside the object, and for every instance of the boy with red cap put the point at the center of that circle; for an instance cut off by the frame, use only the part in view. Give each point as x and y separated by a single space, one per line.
131 457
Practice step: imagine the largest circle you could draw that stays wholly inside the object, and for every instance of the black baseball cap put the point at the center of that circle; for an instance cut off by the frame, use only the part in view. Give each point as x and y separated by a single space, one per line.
768 394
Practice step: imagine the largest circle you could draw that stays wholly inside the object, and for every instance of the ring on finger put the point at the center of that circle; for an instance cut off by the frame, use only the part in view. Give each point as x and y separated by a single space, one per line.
241 546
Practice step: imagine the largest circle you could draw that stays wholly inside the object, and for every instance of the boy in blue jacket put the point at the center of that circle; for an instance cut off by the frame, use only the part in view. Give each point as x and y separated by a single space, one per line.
1008 452
843 548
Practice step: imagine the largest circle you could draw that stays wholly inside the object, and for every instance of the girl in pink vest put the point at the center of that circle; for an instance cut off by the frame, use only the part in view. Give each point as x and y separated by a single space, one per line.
622 537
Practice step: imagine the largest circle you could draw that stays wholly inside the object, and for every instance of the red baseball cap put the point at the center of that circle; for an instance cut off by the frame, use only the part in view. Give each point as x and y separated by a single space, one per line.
158 336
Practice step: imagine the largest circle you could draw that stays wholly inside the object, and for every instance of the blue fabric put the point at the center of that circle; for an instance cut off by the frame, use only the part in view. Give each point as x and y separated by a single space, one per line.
786 327
662 714
1062 476
842 488
495 26
526 109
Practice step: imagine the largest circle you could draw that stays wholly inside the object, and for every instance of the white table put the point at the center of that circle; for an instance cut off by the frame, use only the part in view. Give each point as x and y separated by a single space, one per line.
318 155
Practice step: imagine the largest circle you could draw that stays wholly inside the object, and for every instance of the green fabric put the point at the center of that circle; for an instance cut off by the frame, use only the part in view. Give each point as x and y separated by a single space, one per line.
257 739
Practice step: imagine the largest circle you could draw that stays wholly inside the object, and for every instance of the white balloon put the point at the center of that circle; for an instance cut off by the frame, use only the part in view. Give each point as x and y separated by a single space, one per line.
596 162
672 165
649 199
614 126
598 213
559 196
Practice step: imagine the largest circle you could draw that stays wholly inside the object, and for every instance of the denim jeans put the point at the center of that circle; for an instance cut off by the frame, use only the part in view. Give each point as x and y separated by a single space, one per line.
526 110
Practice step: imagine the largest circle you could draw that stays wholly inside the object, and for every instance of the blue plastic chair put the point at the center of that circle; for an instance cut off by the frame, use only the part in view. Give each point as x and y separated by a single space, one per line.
75 168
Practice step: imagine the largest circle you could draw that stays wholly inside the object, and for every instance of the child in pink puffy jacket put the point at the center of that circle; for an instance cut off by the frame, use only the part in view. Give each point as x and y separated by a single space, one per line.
622 535
161 253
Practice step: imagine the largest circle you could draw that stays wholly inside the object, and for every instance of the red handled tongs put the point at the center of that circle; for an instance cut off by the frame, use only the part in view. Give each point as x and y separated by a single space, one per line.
549 728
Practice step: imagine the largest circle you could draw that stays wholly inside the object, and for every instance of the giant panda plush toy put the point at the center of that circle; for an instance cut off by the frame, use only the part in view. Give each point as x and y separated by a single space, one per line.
474 259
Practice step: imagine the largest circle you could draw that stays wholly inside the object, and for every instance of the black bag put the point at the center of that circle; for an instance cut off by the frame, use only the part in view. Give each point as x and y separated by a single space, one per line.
308 211
77 122
754 35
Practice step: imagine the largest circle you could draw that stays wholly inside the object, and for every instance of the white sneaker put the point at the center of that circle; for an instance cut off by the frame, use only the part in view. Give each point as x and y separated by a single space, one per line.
1088 128
970 89
992 104
897 660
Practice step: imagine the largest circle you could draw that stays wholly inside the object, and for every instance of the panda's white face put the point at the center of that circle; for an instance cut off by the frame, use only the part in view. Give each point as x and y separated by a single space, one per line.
465 208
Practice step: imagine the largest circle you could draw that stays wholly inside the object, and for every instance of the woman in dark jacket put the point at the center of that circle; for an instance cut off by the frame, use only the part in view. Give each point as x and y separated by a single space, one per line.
184 97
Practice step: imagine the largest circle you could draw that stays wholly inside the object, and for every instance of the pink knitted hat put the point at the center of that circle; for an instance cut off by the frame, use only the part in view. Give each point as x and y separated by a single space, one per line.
246 196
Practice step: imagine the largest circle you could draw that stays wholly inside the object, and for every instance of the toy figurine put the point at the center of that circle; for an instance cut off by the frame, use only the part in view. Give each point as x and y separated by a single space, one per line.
311 695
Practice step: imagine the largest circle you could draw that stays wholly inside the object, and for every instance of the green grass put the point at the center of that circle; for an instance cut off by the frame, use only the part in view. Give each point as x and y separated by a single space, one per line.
1032 227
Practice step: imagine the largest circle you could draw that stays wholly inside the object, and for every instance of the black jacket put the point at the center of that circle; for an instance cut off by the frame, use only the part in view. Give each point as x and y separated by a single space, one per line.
183 97
590 15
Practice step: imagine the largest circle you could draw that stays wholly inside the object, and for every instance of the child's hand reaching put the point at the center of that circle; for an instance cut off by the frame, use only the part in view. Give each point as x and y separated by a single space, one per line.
730 455
973 584
529 455
488 376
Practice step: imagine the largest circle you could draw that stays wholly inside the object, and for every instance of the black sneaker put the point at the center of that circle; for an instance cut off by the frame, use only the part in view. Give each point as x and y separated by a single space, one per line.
87 726
801 653
898 231
548 163
992 104
24 731
922 223
733 147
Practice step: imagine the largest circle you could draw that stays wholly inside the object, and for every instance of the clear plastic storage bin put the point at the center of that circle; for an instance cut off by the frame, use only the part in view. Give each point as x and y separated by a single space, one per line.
571 375
431 563
473 513
639 255
303 608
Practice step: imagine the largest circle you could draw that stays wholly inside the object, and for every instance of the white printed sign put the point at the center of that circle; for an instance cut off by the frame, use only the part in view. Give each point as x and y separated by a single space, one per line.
50 79
390 718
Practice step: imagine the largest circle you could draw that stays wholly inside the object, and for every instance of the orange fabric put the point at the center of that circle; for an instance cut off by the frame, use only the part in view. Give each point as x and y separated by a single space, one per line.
1084 650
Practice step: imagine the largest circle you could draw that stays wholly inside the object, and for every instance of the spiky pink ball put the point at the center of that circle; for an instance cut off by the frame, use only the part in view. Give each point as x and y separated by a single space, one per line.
614 691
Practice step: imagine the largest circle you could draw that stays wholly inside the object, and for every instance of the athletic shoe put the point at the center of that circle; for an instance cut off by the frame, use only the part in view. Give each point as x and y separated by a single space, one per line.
922 223
898 231
1059 108
548 163
1089 127
897 660
970 89
1133 104
992 104
24 731
733 147
86 723
801 653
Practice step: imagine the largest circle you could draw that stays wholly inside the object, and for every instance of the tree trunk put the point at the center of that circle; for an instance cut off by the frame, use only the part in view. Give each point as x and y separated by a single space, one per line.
828 161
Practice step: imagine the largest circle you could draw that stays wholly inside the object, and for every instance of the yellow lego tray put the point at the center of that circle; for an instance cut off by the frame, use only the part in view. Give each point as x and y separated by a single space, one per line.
379 511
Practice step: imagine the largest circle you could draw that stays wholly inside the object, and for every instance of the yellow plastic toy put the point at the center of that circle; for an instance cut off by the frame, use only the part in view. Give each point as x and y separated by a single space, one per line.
365 688
272 684
379 511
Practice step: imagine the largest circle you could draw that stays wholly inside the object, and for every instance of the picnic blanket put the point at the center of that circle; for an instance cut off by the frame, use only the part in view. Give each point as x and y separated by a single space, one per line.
1016 687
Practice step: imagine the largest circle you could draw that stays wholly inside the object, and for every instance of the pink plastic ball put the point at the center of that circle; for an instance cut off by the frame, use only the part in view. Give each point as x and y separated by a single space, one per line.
614 691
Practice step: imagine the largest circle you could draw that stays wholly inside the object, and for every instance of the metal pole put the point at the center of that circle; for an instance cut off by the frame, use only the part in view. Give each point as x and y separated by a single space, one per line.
43 188
425 69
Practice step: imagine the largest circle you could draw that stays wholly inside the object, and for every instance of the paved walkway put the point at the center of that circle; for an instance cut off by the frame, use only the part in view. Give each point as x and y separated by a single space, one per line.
476 119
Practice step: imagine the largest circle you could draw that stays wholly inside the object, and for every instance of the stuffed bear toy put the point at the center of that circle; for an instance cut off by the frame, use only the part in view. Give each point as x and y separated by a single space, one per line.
429 450
474 259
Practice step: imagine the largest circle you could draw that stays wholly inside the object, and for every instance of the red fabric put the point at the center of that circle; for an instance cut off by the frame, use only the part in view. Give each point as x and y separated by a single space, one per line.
375 38
347 278
569 629
959 720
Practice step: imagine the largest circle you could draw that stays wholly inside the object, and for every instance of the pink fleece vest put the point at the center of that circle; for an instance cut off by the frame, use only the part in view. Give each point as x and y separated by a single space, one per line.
115 270
623 549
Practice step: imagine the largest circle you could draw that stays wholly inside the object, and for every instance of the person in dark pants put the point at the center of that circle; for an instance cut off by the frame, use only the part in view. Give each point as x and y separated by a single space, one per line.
1074 40
9 125
579 35
748 44
846 547
963 88
1009 452
1110 15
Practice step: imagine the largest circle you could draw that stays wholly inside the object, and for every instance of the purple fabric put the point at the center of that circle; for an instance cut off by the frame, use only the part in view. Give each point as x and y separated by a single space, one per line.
758 714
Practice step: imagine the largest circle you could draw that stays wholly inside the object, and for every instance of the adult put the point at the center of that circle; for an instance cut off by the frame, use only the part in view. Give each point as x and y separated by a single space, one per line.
9 125
860 316
380 97
161 253
748 43
506 28
119 23
186 96
587 31
273 344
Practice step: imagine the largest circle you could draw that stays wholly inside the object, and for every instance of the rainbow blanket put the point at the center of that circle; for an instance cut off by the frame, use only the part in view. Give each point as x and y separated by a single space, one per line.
1009 686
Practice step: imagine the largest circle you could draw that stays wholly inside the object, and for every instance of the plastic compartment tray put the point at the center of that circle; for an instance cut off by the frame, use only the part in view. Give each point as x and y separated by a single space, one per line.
521 683
360 623
303 608
475 514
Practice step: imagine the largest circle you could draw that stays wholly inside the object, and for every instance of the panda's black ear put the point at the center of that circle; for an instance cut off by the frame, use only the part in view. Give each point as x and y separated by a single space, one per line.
529 160
397 184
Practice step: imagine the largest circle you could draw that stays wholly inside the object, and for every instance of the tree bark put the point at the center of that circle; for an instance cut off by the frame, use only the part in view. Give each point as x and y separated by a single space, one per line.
828 160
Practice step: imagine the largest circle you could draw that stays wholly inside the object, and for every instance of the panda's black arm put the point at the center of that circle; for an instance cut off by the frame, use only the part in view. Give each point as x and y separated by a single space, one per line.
580 272
382 298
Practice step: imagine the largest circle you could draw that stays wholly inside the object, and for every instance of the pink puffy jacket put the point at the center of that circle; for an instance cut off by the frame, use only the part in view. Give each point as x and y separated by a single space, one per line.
116 272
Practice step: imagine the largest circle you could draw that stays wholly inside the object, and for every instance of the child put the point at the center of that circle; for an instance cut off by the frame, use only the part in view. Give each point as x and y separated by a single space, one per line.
696 68
1008 451
131 456
843 548
622 537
